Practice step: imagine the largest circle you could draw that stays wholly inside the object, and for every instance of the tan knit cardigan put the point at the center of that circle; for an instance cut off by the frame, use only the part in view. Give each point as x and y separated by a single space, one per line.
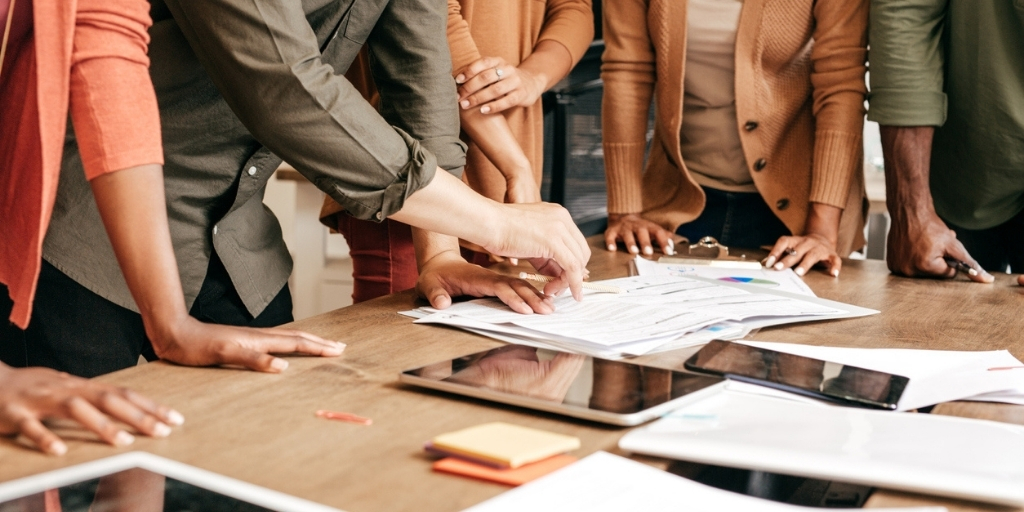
800 91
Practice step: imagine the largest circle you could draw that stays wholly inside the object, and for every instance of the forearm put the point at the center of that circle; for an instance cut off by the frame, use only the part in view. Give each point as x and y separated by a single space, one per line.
445 206
493 136
907 153
132 205
549 63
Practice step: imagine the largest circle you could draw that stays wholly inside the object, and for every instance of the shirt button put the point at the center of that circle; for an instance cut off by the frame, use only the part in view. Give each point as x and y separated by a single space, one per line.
380 216
760 164
782 204
750 126
252 171
215 230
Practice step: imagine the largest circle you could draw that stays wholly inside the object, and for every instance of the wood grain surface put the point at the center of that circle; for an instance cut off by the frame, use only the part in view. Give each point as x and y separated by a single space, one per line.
261 428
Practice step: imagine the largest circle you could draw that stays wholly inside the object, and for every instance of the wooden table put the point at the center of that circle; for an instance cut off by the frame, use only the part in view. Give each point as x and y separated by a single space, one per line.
261 429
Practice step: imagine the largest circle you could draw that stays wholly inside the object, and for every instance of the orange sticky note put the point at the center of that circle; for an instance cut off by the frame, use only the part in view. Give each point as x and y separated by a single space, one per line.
511 476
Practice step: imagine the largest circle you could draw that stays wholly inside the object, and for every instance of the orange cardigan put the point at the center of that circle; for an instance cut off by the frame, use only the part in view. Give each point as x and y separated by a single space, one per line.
800 90
86 57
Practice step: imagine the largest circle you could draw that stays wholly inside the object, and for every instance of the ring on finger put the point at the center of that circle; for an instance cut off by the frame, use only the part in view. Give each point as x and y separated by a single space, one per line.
790 252
499 73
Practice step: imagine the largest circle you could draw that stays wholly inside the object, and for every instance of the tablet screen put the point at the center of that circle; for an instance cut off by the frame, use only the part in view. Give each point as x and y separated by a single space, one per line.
572 380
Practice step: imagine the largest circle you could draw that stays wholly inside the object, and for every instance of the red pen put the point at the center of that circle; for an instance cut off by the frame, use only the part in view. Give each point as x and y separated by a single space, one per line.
343 416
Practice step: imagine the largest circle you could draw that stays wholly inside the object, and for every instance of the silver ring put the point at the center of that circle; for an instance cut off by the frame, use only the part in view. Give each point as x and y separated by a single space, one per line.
497 71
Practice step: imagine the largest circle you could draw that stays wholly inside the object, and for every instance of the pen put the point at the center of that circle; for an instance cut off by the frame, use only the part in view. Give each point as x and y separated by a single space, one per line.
343 416
960 266
590 286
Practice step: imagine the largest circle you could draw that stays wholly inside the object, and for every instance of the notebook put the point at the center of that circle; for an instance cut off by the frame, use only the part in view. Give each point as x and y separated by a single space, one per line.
504 444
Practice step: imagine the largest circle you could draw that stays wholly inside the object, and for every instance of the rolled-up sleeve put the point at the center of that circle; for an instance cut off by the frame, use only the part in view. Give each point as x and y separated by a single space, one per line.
265 60
412 68
112 103
906 62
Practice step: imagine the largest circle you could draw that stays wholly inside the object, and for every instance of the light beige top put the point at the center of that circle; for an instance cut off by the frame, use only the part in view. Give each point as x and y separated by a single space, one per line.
709 138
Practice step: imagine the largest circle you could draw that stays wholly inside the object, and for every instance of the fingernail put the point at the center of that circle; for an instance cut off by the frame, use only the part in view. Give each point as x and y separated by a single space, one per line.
770 261
972 272
464 103
648 250
161 430
513 261
461 78
123 439
670 248
799 271
633 249
57 448
611 247
778 266
341 346
835 273
278 364
484 110
175 417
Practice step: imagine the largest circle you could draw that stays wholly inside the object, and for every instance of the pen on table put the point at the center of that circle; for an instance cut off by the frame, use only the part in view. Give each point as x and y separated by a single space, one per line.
343 416
961 266
590 286
998 368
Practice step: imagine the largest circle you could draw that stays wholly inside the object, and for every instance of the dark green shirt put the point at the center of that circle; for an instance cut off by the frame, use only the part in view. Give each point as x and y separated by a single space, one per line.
241 85
958 65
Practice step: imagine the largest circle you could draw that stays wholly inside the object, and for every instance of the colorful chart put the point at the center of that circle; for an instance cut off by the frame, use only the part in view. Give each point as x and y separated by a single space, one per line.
749 280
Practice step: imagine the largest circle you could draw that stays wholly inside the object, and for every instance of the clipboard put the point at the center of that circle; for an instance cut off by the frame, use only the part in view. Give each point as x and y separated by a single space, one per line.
708 251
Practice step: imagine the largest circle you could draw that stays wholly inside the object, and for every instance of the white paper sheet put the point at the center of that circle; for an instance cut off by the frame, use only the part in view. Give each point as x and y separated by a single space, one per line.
936 376
603 482
785 280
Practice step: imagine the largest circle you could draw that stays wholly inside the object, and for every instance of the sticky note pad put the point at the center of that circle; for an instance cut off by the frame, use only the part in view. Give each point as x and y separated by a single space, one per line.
504 444
507 476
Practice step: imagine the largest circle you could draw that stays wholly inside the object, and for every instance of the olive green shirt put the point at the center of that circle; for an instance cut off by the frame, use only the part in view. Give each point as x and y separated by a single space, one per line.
242 84
957 65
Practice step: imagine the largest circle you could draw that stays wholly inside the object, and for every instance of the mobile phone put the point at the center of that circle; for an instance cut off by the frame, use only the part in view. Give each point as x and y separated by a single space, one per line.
825 380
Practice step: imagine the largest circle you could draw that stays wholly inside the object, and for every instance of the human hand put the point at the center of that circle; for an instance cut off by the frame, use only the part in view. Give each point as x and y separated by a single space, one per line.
635 231
30 395
803 252
190 342
495 86
545 234
445 276
516 369
918 244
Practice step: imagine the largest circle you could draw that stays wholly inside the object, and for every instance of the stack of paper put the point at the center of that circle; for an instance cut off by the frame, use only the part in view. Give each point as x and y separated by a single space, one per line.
606 482
655 313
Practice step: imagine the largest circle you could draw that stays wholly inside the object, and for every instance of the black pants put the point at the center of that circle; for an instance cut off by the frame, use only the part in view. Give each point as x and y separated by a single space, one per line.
76 331
997 249
735 219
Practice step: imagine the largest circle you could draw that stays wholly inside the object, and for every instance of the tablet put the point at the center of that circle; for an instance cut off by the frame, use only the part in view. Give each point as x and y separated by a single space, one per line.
613 392
142 481
832 382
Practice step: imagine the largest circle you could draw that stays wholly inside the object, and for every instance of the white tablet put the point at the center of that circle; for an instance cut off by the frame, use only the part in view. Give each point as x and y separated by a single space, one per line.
614 392
142 481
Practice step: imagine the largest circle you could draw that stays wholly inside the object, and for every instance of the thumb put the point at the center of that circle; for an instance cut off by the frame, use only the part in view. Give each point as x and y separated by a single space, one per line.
439 298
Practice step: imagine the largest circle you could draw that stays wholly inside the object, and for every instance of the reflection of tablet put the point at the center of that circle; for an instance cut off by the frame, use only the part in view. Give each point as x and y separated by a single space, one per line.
614 392
137 480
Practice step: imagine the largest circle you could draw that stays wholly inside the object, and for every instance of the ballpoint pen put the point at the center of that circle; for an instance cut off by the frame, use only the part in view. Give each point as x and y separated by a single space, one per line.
961 266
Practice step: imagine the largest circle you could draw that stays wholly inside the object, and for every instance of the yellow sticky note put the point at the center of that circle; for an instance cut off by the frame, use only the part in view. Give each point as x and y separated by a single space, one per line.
505 444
